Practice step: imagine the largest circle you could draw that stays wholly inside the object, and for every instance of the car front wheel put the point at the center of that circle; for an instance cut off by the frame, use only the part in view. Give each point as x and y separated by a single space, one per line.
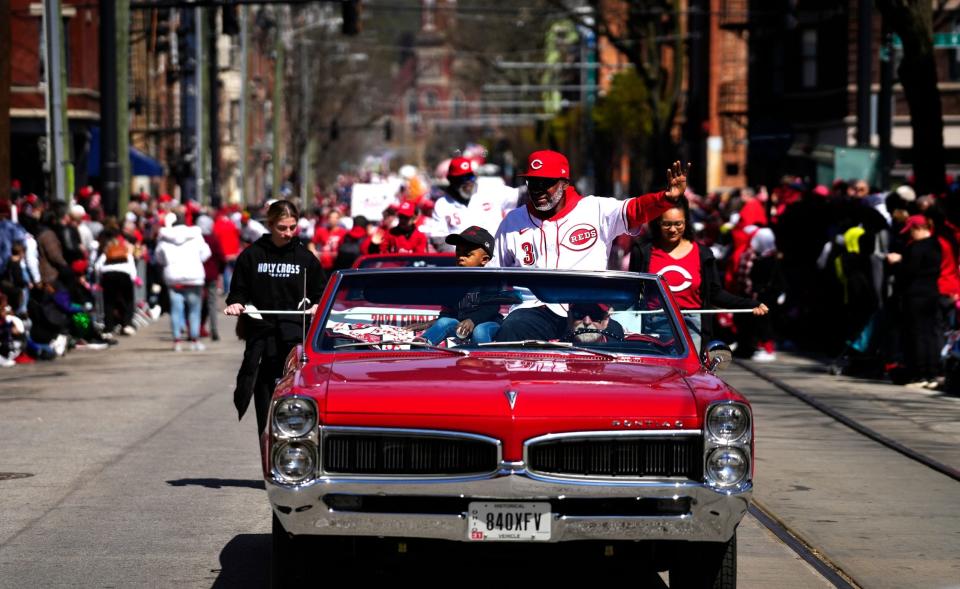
705 565
288 559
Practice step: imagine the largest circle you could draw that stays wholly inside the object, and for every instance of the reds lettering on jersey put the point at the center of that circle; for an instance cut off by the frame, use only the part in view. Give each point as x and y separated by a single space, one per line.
577 237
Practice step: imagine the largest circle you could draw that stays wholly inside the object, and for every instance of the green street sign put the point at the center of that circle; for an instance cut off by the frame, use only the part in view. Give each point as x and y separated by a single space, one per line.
940 41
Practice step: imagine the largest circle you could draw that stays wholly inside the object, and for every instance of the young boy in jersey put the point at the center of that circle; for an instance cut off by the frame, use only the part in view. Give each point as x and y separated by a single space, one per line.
473 318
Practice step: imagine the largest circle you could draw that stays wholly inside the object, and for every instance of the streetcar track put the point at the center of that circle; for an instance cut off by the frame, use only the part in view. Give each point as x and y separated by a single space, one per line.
812 556
791 538
854 424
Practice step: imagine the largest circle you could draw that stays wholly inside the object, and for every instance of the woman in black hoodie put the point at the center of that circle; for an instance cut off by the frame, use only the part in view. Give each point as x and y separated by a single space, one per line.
271 274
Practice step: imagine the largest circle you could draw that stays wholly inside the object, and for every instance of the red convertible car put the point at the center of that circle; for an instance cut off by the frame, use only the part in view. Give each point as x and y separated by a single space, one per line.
574 413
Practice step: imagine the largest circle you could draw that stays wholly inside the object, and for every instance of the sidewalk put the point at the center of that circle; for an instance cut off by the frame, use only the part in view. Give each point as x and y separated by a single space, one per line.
924 420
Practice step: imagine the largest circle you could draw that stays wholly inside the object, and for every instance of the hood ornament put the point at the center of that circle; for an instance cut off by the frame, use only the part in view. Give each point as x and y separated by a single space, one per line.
511 398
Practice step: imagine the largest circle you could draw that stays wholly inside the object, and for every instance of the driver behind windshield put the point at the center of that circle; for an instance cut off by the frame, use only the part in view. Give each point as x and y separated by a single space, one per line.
589 323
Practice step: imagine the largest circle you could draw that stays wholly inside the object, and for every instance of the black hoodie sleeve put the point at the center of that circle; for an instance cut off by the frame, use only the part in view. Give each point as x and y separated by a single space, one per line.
712 290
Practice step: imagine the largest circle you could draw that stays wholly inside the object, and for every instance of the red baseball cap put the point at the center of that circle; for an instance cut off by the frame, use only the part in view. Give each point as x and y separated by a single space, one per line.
915 221
547 164
459 166
407 209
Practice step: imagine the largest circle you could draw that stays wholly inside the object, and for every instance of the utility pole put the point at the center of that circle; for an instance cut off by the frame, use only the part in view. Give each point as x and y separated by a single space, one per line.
5 47
588 79
244 95
58 154
198 72
306 85
885 105
864 77
214 117
277 107
189 116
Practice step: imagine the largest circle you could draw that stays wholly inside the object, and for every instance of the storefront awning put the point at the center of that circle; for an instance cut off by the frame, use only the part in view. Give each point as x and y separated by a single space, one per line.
141 164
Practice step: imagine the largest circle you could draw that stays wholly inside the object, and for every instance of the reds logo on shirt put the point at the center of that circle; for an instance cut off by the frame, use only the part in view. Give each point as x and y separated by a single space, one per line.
674 284
580 237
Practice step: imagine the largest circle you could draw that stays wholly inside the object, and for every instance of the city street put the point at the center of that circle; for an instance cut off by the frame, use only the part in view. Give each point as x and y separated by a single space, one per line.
127 468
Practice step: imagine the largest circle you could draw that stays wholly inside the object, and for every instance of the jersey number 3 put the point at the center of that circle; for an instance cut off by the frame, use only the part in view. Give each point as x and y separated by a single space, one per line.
527 253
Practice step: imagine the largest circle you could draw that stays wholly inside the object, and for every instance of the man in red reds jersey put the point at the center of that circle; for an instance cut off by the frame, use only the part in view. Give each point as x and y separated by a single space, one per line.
405 238
559 228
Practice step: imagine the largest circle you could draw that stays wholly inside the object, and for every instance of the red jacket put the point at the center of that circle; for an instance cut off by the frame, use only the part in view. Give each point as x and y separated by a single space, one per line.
328 243
949 281
228 235
395 242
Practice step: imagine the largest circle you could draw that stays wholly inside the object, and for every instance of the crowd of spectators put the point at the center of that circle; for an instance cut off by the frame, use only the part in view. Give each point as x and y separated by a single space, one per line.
863 275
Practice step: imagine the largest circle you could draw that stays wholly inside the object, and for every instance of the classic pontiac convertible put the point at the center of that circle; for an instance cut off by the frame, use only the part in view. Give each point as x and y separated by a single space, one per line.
610 432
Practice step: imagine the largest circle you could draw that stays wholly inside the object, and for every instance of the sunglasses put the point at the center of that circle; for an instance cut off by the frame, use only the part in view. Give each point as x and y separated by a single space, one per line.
540 184
593 311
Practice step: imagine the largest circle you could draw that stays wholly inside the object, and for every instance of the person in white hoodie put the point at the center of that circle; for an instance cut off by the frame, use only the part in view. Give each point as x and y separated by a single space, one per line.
182 251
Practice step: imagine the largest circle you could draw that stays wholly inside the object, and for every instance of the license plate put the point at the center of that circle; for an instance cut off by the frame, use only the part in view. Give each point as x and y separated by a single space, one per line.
505 522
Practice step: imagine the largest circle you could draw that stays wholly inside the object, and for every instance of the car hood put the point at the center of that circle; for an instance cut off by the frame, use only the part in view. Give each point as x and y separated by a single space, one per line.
553 394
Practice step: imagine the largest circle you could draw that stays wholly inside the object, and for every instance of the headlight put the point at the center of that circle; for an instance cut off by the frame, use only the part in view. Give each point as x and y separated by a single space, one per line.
294 417
726 466
728 422
294 462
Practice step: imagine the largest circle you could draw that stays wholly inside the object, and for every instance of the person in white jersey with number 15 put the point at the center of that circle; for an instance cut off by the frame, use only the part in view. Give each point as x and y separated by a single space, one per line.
559 228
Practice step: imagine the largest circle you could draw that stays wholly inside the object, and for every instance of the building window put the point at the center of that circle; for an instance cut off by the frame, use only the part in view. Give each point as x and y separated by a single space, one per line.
808 58
234 120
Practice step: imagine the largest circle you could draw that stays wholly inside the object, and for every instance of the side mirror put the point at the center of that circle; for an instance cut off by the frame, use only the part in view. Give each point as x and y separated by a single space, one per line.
717 355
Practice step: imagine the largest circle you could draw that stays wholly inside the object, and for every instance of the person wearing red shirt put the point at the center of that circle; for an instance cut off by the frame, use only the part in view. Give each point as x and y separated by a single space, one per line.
689 269
327 240
228 235
405 238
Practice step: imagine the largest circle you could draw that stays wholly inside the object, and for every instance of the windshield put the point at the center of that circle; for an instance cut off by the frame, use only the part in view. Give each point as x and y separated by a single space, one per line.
469 309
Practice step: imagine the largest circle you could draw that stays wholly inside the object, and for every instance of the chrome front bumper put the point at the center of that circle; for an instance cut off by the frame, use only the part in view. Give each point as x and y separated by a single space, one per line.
713 514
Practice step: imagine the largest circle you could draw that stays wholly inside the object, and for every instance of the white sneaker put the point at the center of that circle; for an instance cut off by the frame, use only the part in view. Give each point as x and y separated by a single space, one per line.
6 362
197 347
764 356
59 344
128 330
177 346
155 312
919 384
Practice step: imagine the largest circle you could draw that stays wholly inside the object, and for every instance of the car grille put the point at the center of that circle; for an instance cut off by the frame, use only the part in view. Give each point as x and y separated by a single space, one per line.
399 454
626 457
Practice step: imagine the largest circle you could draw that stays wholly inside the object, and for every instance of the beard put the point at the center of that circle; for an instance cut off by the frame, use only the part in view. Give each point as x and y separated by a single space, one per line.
552 202
467 191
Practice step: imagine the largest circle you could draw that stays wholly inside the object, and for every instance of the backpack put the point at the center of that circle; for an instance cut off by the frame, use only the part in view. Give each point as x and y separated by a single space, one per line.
116 251
347 253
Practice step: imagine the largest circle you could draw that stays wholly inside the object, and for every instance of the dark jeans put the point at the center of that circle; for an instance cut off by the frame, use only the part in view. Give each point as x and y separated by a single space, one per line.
117 299
531 323
921 336
271 368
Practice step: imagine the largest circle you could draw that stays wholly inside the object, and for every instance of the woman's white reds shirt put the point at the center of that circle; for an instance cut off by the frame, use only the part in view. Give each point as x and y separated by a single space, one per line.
578 240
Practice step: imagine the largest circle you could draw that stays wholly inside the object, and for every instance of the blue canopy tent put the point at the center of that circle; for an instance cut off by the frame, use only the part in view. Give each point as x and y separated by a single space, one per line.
140 163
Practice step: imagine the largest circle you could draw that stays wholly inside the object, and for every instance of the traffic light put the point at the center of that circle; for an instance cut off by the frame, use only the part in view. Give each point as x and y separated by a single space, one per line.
350 10
388 130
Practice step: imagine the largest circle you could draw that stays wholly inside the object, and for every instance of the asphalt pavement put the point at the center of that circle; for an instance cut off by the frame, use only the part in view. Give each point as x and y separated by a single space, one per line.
128 468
